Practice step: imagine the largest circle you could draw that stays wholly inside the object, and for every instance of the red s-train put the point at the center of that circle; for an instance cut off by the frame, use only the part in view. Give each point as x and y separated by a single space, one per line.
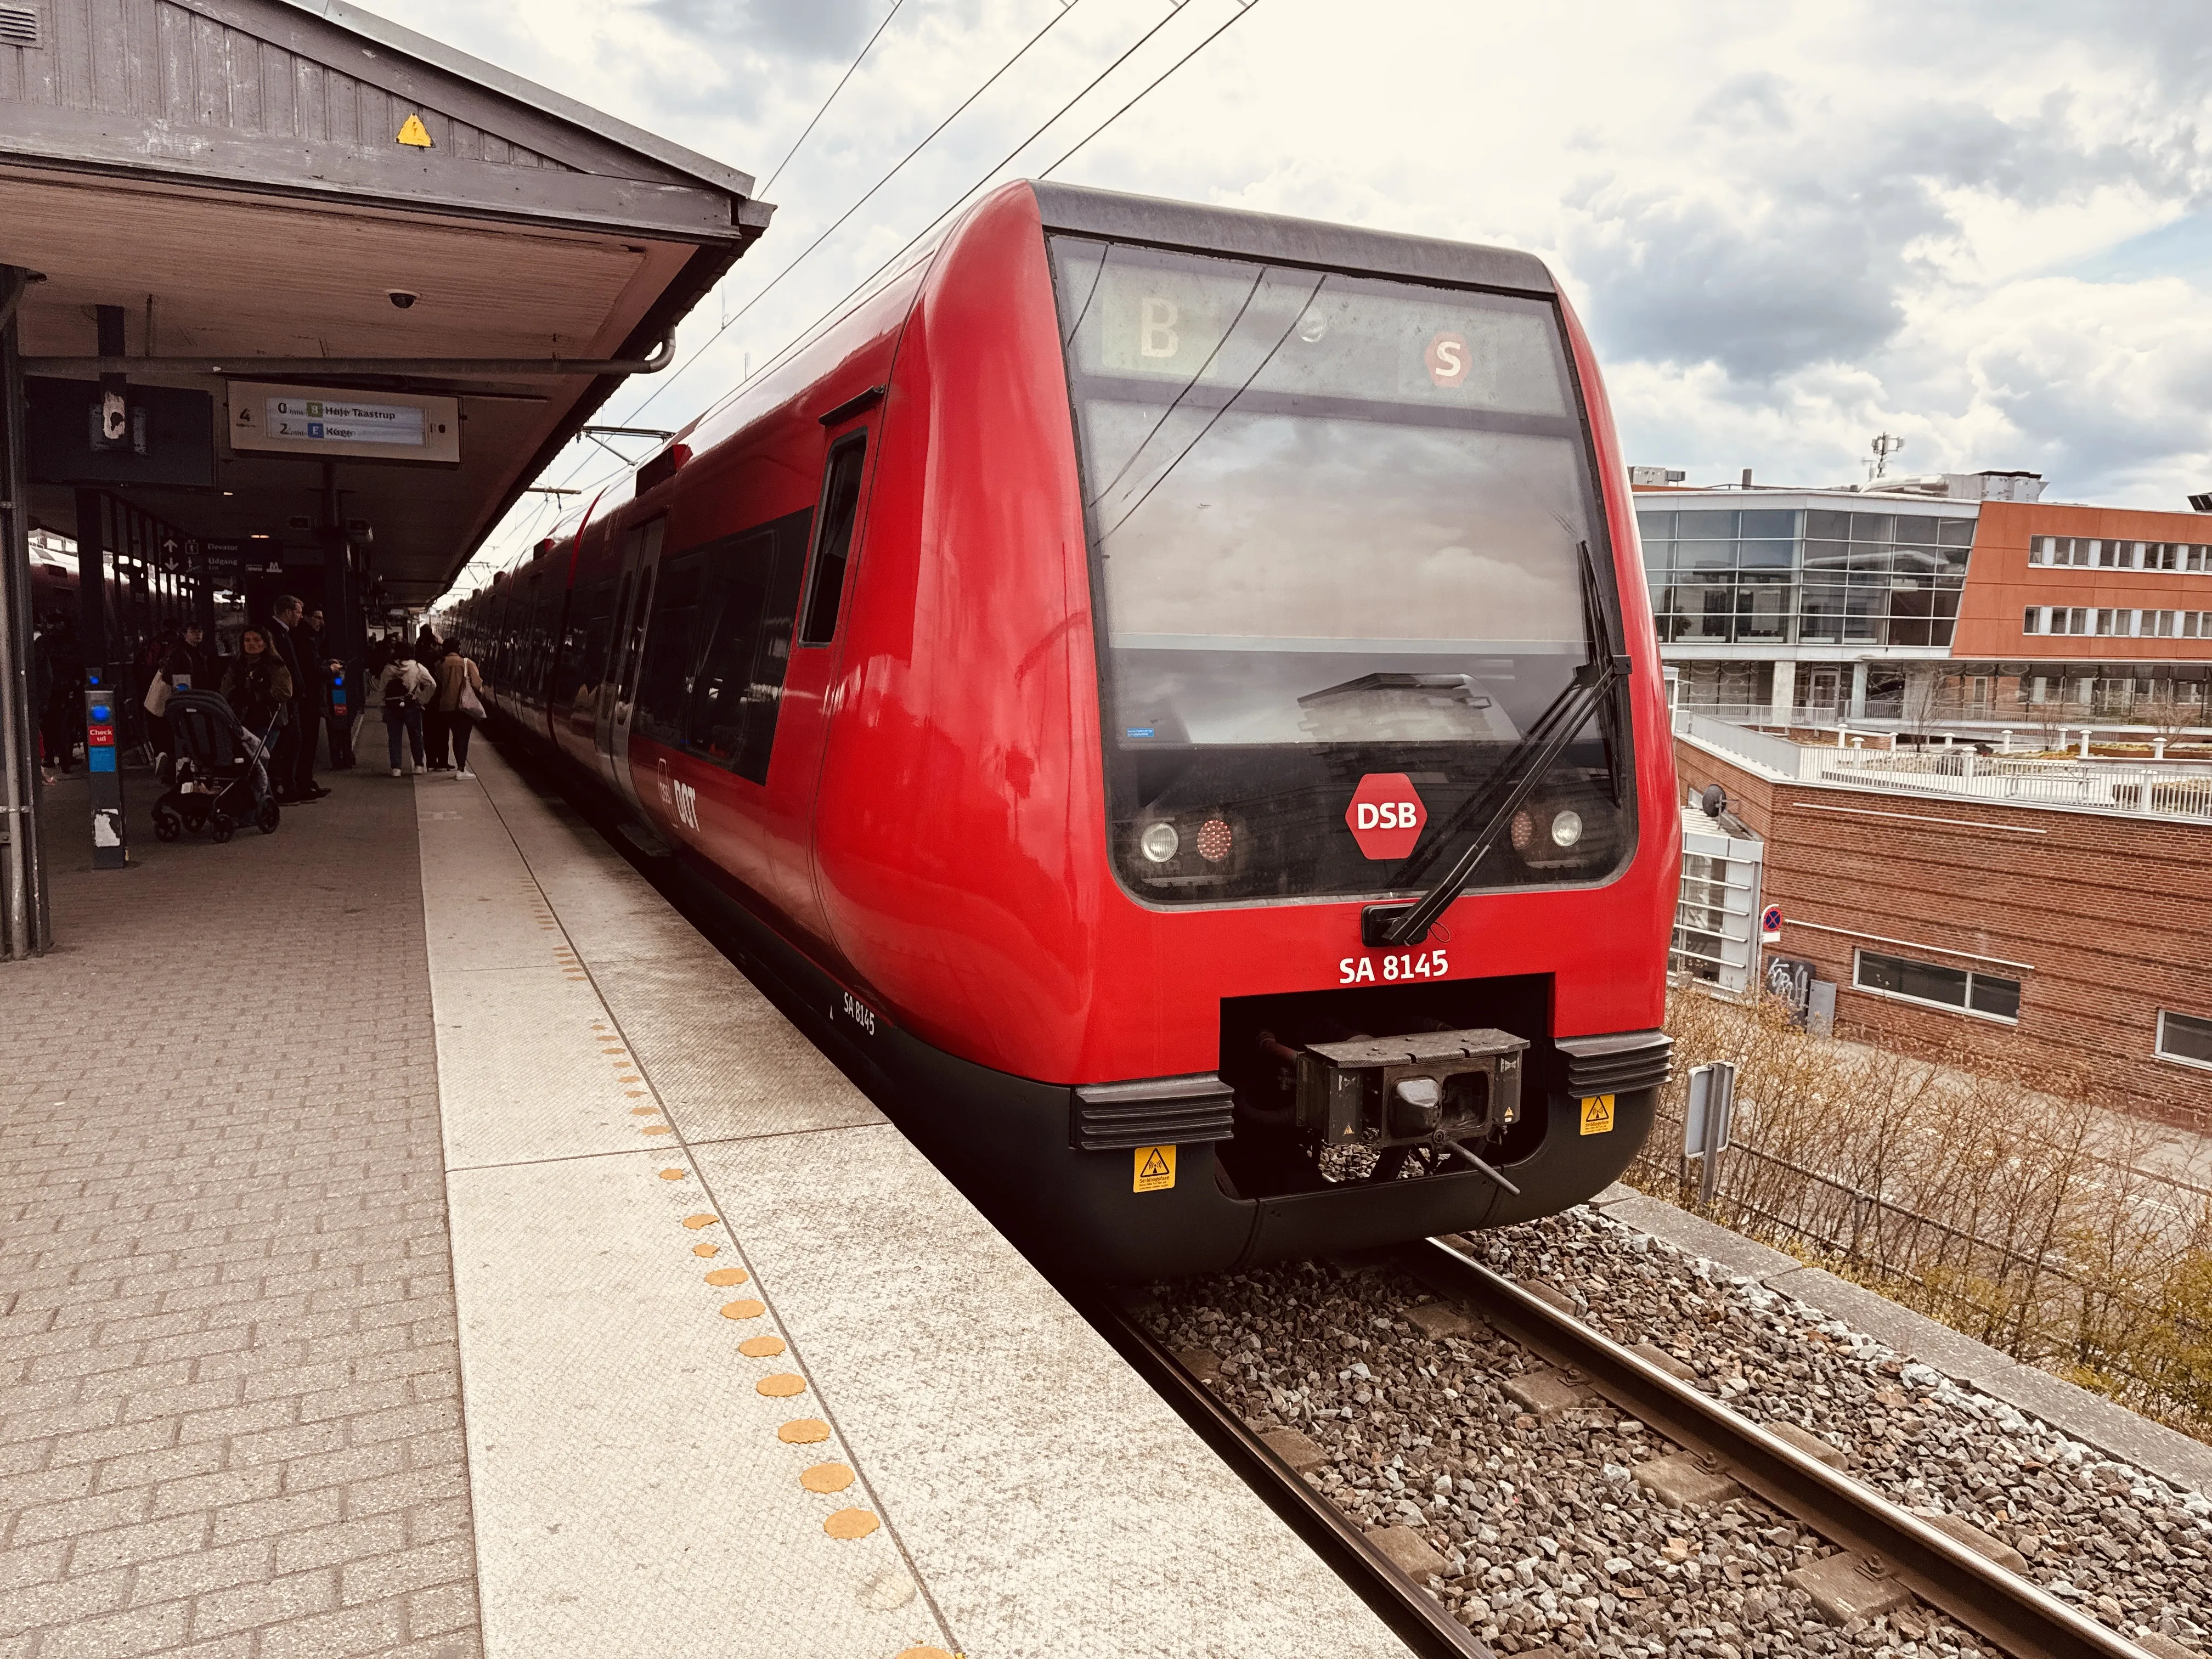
1076 661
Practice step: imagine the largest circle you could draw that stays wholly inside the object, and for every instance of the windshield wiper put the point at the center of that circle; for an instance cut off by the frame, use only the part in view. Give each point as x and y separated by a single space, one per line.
1386 926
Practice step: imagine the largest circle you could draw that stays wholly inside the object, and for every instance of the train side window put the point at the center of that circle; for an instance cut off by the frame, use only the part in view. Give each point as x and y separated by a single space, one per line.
840 506
584 642
752 596
674 642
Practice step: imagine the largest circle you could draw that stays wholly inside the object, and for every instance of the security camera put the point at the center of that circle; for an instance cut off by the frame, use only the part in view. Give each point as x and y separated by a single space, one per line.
402 298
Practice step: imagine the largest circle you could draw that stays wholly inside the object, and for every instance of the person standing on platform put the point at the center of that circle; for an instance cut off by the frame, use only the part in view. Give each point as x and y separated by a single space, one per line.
190 661
284 758
315 656
60 664
432 657
405 688
459 685
258 688
295 755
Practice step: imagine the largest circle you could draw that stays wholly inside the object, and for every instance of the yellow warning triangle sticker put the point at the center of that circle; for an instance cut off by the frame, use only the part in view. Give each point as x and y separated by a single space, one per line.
412 131
1155 1166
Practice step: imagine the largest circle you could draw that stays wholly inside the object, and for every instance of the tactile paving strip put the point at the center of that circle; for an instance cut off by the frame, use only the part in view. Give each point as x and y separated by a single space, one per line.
652 1465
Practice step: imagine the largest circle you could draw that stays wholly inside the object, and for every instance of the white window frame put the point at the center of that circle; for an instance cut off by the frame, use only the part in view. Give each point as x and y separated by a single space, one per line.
2158 1042
1970 1012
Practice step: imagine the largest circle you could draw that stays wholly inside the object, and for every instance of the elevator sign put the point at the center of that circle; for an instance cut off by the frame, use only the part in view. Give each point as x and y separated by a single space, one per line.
334 423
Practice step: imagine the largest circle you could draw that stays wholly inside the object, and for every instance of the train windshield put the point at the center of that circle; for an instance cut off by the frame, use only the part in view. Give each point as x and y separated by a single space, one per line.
1336 524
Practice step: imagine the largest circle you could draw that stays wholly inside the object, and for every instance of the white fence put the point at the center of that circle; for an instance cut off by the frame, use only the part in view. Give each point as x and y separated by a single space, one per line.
2182 792
2154 791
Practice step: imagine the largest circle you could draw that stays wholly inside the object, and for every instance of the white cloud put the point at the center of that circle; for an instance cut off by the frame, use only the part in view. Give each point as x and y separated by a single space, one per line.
1788 228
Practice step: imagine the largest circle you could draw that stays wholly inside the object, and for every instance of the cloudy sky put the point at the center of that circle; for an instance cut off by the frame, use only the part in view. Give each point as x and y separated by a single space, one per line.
1984 226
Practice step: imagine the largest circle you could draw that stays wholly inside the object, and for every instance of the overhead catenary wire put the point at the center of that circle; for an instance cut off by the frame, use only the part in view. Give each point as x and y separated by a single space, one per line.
867 195
1088 88
916 240
806 332
831 98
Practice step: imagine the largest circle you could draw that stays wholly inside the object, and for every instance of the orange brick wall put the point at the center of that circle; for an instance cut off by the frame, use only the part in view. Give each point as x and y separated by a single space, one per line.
2001 583
2114 913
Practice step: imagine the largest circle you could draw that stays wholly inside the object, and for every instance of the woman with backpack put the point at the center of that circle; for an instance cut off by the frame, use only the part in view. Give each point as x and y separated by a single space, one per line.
405 688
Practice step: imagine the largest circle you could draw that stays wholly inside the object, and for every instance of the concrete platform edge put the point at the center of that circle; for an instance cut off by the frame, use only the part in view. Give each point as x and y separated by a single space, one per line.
2096 1422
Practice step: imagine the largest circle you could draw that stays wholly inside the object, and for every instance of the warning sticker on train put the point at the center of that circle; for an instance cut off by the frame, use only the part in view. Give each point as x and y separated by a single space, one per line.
1597 1115
1155 1169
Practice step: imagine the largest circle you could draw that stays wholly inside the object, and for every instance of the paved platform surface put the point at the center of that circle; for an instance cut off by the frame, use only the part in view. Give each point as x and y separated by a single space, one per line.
732 1370
742 1369
230 1386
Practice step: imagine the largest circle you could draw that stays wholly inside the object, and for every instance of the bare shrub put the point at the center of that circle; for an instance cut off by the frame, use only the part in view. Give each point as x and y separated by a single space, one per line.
1996 1199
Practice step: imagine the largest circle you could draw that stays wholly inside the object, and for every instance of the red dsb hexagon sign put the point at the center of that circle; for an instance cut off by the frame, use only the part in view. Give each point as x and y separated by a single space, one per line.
1386 815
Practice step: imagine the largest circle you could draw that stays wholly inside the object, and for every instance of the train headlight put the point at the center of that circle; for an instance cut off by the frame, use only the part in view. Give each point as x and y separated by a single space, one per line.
1215 840
1524 832
1159 842
1566 828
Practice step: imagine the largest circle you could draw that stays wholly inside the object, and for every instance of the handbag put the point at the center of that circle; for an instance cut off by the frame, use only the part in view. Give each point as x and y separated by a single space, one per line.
470 704
157 695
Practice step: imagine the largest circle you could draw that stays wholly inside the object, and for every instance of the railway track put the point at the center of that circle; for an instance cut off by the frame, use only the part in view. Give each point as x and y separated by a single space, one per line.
1409 1610
1886 1544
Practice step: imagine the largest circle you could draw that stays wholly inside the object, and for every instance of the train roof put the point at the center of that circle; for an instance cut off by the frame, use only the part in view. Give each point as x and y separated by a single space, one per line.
1284 240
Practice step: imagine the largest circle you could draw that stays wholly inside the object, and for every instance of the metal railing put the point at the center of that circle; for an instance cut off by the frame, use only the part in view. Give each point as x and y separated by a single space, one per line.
2153 791
2035 1303
1762 748
2176 790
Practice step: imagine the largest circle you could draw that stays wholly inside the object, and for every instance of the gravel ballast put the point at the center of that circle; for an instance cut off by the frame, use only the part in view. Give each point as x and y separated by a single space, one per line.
1542 1533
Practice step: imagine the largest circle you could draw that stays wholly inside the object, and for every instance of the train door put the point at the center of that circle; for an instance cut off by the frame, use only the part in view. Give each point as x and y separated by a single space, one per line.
641 566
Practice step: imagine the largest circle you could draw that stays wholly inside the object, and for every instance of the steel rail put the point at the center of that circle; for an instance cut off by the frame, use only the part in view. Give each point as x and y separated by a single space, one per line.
1413 1615
2001 1606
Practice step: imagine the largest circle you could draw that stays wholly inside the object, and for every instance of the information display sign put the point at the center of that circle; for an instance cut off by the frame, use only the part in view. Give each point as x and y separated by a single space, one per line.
332 422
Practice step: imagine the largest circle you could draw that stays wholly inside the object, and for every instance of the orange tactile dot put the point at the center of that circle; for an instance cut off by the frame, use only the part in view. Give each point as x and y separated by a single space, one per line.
924 1653
658 1129
673 1174
695 1221
803 1431
827 1477
643 1112
634 1094
761 1348
850 1524
781 1386
728 1276
745 1308
706 1249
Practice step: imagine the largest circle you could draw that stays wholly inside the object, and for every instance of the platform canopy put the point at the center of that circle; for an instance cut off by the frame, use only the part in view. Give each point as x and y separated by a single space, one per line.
233 191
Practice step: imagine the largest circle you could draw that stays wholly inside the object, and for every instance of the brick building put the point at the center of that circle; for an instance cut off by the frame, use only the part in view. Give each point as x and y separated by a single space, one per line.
2041 935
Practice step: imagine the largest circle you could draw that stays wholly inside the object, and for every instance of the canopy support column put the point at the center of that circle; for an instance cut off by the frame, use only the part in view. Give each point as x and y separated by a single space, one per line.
24 930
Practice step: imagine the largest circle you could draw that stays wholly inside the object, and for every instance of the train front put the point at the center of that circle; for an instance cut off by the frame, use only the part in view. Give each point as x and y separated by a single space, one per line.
1386 764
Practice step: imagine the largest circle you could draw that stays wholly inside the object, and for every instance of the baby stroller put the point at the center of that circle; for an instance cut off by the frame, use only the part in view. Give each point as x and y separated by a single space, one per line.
222 777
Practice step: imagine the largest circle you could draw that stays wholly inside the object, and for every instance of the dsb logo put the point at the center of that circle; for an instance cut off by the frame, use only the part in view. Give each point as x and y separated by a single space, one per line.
1386 815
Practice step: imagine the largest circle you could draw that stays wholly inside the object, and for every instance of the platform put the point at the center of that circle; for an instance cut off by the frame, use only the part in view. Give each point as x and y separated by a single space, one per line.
421 1241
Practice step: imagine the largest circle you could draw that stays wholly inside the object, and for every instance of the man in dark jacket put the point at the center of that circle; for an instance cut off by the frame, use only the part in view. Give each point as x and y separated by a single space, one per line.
315 656
292 769
59 665
190 659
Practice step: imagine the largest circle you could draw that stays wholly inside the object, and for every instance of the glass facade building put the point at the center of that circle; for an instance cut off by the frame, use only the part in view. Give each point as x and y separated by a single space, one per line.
1780 576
